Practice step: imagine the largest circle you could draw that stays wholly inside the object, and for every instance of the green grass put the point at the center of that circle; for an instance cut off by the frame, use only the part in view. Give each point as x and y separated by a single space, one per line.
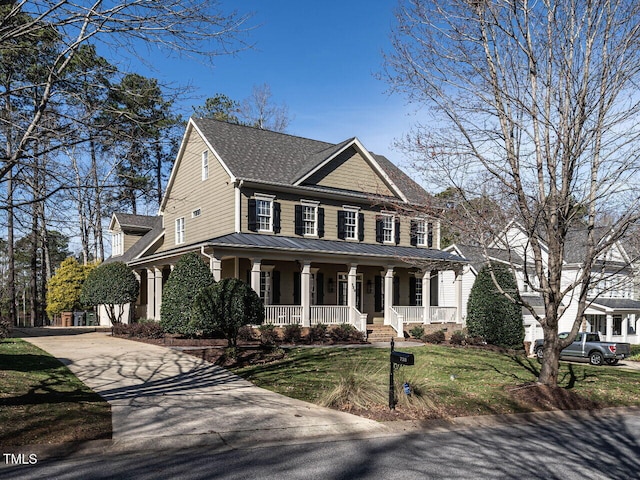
448 381
42 402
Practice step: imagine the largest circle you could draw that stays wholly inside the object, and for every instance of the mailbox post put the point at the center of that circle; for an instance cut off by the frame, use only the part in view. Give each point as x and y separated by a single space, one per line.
400 359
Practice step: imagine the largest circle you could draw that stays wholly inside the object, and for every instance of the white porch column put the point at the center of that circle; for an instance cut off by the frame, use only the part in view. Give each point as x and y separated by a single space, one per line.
625 327
151 305
158 291
388 295
426 297
458 294
305 293
256 263
351 290
609 327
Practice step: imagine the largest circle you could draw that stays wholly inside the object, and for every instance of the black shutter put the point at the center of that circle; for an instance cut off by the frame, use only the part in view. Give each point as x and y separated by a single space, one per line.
412 291
430 235
397 231
276 287
320 289
249 277
379 230
396 291
253 223
378 293
320 222
296 288
298 217
276 217
341 222
361 226
414 233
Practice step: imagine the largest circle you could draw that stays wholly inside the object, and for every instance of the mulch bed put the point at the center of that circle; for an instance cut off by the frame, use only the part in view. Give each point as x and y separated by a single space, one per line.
543 397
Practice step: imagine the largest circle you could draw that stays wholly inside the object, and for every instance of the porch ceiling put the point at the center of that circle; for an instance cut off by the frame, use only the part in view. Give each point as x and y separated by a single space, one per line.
422 257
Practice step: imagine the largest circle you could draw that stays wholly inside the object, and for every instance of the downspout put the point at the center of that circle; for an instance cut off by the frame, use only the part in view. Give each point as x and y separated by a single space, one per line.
238 200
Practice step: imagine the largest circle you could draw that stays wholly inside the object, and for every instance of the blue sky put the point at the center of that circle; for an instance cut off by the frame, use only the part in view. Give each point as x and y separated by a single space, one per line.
320 58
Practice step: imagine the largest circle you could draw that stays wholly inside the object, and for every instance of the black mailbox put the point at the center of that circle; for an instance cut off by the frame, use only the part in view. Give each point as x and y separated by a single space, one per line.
401 358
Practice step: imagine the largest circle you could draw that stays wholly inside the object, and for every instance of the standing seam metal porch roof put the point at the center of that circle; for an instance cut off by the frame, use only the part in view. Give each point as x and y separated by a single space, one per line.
313 245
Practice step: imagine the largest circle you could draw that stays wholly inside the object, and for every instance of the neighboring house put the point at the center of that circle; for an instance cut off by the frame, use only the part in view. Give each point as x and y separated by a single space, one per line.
613 309
313 227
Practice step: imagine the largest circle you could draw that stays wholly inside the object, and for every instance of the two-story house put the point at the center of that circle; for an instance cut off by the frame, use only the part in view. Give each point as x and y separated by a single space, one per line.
613 309
315 228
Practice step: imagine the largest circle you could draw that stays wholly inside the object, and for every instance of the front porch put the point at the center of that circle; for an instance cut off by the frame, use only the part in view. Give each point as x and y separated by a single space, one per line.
335 283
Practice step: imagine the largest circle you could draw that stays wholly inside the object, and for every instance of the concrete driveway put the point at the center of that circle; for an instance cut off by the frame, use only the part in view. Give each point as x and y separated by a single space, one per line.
164 398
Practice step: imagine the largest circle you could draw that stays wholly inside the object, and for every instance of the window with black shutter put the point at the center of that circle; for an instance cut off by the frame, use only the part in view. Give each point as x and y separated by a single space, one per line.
299 229
320 222
276 217
379 229
397 232
252 217
341 224
361 226
413 233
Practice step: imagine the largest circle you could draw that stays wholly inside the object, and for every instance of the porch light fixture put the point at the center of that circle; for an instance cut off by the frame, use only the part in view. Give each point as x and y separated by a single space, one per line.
330 285
369 286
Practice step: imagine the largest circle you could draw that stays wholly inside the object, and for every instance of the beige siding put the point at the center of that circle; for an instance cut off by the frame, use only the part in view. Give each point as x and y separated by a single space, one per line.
214 197
350 171
331 208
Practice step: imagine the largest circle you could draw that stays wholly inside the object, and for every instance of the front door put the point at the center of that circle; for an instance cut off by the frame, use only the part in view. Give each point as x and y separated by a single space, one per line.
343 290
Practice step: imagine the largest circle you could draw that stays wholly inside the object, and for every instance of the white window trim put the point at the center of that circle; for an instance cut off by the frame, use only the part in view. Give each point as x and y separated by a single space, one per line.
117 244
313 204
205 165
264 198
180 233
356 210
385 216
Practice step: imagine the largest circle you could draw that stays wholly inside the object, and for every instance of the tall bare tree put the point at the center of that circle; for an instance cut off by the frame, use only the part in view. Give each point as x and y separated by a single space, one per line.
538 100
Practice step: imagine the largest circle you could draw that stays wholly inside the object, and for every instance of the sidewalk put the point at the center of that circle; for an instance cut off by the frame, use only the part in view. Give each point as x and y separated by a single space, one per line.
165 398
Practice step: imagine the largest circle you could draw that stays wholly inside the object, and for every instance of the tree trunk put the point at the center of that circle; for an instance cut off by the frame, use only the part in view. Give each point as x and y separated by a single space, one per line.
550 360
13 314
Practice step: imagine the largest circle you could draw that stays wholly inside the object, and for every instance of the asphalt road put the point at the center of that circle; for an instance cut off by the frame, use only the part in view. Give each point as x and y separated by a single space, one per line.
597 447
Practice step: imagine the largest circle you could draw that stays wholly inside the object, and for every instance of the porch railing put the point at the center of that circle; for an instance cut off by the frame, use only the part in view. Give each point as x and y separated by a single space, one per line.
396 320
329 314
435 315
281 315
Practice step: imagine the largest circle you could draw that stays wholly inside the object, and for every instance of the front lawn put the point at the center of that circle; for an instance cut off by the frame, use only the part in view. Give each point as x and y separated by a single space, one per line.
446 382
42 402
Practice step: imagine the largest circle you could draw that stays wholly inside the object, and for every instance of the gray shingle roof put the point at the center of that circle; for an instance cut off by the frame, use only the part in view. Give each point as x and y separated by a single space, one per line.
477 258
618 303
142 244
265 156
135 222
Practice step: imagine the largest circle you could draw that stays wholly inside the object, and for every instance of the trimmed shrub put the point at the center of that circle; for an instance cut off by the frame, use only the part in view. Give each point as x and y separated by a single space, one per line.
268 334
417 332
225 307
458 338
246 334
491 314
65 287
113 285
141 329
317 333
346 332
435 337
292 333
188 277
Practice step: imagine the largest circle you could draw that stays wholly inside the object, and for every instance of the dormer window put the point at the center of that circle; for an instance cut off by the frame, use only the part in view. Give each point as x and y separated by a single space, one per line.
117 244
205 165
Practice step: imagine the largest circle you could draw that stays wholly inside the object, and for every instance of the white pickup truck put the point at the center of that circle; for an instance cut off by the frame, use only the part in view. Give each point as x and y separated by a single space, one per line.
588 346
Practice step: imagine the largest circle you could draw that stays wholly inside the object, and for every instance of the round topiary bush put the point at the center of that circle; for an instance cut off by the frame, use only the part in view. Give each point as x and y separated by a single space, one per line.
65 287
491 314
112 285
226 307
189 276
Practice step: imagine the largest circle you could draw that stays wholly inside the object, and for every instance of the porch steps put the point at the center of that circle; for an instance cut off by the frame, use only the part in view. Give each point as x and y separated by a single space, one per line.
380 333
